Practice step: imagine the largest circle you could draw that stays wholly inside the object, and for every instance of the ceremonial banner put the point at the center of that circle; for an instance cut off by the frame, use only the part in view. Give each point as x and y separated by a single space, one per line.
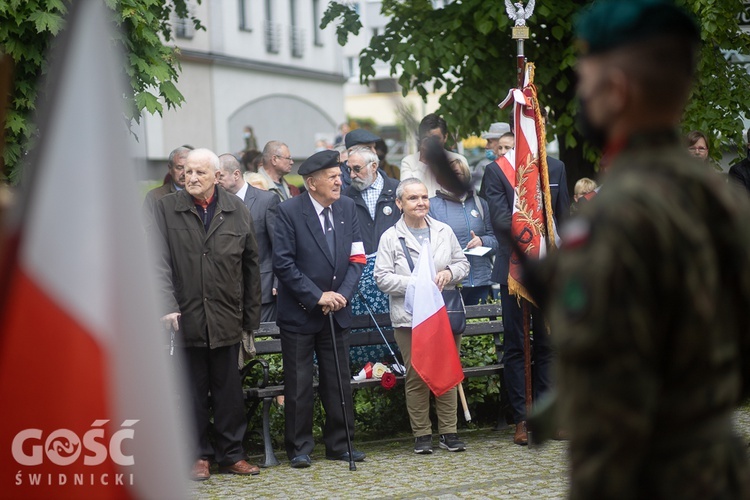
87 390
532 222
433 348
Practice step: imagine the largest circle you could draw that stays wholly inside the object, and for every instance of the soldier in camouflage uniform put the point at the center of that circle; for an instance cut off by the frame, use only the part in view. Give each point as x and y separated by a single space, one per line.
650 294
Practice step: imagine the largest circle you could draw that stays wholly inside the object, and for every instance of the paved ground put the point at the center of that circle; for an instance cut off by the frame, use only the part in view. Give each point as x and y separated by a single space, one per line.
491 467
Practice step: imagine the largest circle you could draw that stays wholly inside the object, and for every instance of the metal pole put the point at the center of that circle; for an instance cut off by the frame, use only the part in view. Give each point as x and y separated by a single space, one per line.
397 365
520 63
527 363
352 465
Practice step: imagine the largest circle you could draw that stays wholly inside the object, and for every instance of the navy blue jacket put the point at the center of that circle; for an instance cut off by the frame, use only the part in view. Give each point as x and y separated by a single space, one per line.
372 230
464 217
304 266
499 195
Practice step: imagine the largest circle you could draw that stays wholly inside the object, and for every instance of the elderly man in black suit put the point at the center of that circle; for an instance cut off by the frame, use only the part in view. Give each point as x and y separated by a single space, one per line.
498 190
262 206
318 258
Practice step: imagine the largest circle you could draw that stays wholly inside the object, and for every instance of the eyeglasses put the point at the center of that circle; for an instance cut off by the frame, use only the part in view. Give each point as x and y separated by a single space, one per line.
356 168
698 150
288 158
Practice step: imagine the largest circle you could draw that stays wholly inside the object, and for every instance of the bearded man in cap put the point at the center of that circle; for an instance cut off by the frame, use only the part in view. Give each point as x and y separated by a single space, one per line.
318 259
650 292
357 138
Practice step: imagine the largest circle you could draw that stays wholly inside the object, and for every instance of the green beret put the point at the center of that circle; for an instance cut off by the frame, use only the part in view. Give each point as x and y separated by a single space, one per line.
609 24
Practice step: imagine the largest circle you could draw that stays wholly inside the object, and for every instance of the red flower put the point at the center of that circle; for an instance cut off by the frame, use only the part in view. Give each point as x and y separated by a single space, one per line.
388 380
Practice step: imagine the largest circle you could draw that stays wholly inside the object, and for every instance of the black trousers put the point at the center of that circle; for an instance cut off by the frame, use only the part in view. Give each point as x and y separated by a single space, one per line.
541 352
215 370
297 352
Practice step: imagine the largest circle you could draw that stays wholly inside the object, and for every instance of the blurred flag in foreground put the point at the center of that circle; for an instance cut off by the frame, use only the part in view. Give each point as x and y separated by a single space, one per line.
532 221
87 391
433 349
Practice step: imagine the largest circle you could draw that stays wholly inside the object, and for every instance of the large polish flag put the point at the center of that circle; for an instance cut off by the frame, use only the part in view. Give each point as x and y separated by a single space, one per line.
433 348
87 388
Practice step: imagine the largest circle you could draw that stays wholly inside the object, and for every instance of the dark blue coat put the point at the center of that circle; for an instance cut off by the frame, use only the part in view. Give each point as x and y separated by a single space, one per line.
304 266
464 218
499 195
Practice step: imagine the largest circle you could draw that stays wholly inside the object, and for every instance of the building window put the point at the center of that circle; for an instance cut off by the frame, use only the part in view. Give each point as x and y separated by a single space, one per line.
296 34
352 67
244 14
183 26
272 30
317 16
298 41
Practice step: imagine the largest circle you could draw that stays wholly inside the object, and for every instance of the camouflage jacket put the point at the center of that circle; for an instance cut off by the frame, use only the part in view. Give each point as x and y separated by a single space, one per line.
650 301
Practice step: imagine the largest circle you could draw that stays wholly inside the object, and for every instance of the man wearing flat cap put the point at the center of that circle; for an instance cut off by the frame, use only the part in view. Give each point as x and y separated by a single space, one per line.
649 293
318 259
356 138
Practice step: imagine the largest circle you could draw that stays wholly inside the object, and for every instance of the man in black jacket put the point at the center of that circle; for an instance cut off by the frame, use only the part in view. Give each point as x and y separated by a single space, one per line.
210 284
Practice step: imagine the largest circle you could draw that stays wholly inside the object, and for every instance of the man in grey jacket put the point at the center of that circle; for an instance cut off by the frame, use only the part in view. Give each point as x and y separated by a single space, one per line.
210 286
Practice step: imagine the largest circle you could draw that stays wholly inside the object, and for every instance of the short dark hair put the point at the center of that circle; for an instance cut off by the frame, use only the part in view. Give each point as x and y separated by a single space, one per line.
694 136
431 122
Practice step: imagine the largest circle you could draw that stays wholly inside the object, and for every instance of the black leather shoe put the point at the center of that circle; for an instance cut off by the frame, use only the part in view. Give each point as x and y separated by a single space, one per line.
301 461
344 457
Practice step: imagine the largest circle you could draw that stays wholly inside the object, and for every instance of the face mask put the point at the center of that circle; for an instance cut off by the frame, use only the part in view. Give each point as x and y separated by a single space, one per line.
490 155
594 134
246 135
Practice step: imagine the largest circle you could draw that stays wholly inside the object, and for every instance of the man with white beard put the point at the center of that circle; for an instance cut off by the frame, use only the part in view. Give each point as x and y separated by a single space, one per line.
374 194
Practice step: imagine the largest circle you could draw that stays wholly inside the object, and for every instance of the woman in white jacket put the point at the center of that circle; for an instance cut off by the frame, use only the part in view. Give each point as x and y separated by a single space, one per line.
392 275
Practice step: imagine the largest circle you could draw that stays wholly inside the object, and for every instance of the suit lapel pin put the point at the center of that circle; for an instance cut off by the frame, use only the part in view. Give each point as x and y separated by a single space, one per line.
387 210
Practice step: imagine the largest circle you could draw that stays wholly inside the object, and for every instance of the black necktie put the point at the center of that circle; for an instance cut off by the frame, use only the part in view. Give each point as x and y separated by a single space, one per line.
329 231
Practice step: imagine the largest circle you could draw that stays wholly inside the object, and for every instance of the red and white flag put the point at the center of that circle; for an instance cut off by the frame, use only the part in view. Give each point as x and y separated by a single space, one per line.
433 348
87 390
532 222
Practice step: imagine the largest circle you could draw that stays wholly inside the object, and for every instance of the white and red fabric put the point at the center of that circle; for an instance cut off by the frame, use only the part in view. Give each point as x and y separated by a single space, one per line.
433 349
532 222
88 392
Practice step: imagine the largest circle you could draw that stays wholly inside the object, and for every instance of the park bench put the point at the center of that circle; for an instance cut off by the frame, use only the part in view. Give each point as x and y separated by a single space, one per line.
268 342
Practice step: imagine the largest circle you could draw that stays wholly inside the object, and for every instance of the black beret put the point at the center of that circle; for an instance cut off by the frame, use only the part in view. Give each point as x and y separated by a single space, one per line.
322 159
359 136
609 24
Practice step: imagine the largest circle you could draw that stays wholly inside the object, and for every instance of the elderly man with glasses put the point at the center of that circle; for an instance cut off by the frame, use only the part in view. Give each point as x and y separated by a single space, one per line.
277 162
374 194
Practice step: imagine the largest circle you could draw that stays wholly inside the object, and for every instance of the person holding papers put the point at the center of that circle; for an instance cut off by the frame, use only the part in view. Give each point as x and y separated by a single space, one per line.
469 217
417 233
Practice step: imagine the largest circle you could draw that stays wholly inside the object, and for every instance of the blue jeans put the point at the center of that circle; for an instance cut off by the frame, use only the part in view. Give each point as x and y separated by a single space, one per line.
514 354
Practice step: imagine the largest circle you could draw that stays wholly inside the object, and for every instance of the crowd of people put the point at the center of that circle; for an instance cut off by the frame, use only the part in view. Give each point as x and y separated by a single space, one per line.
234 255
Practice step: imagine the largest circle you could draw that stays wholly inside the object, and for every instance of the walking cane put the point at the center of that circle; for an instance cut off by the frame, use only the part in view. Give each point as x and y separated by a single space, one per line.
397 367
352 465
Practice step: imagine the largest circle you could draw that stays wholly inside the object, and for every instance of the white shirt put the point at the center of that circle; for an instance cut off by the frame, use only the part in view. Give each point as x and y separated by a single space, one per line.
243 190
319 210
412 167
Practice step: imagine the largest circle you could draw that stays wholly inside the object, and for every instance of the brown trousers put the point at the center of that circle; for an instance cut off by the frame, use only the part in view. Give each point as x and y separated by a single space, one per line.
418 394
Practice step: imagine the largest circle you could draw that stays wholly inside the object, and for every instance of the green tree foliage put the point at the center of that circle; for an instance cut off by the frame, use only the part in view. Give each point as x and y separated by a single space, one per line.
27 29
465 49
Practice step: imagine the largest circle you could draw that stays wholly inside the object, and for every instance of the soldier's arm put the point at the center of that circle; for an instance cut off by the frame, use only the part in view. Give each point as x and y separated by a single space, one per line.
606 381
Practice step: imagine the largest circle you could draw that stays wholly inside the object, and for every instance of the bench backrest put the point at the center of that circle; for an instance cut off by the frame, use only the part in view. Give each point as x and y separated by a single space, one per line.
370 336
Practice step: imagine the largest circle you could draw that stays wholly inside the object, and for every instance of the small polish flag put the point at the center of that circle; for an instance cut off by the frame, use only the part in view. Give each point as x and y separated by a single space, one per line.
433 348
